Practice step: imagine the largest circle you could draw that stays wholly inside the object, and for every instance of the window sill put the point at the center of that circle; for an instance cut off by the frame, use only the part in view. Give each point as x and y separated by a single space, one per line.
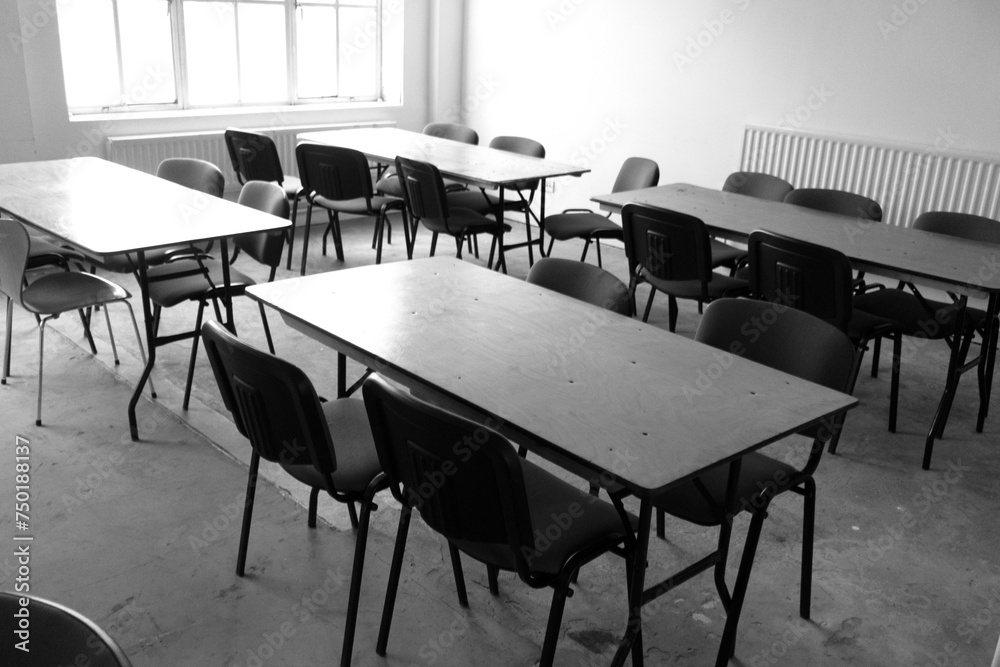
278 111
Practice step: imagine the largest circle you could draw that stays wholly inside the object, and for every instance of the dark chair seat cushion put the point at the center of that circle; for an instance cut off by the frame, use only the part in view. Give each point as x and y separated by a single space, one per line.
470 199
863 324
564 520
464 221
358 206
184 280
758 472
913 318
69 290
718 287
580 225
357 459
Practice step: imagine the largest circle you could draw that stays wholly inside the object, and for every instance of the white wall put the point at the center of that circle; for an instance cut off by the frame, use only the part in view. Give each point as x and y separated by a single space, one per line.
35 123
676 81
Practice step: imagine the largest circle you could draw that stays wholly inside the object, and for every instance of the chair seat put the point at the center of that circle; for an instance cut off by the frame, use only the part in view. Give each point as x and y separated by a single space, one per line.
718 287
909 313
69 290
357 206
551 501
357 459
863 324
470 199
128 263
465 221
757 473
565 226
170 284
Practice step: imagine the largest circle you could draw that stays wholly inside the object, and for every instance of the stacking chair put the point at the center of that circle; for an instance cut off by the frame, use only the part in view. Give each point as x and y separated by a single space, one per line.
339 180
192 173
58 636
255 158
201 279
671 252
388 184
326 446
581 281
801 345
818 280
426 201
50 295
918 316
582 223
489 503
757 184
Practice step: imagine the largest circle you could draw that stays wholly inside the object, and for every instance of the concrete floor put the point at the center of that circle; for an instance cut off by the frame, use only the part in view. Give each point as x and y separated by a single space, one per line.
142 537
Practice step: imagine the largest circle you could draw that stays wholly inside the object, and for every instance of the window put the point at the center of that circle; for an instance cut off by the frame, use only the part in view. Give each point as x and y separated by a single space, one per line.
122 55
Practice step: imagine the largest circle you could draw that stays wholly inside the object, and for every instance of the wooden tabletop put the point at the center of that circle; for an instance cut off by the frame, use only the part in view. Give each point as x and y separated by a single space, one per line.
476 165
106 209
609 392
936 260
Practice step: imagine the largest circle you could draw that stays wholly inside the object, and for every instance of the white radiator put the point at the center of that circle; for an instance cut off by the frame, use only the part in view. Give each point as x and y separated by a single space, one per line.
906 181
145 152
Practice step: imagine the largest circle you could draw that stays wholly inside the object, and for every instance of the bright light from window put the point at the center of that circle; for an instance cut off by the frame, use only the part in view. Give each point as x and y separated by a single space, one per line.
147 52
212 76
358 52
263 67
317 54
90 59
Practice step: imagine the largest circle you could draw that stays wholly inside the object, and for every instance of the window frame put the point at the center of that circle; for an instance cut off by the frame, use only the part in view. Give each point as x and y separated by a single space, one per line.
182 103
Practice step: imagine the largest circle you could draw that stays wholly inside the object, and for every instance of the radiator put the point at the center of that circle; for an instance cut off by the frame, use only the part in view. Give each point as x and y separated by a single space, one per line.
906 181
145 152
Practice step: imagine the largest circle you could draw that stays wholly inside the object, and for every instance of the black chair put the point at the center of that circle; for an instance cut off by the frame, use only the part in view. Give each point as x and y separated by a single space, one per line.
57 635
486 501
388 183
255 158
514 195
326 446
339 180
951 321
201 279
757 184
49 296
636 173
819 280
825 360
426 202
671 252
585 282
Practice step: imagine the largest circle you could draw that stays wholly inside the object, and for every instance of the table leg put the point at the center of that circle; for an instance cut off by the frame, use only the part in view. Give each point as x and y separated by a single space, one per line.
950 387
987 359
541 220
632 641
227 298
147 316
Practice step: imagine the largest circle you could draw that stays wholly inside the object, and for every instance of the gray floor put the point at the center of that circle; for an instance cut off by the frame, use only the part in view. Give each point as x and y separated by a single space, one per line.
143 536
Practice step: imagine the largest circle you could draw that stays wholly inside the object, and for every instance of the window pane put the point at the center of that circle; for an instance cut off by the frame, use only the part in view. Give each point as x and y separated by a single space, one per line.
263 68
210 30
317 55
90 59
358 52
147 52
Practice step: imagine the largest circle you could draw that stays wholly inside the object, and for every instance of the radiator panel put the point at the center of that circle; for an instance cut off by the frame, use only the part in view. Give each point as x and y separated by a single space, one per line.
906 181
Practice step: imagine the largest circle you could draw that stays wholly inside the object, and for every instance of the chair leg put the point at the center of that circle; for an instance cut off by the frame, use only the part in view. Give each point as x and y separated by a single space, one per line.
352 513
559 596
111 337
728 646
305 240
493 576
876 350
552 240
649 303
393 584
291 233
338 240
8 327
194 355
672 313
661 524
241 559
87 334
267 329
41 357
434 242
313 506
897 345
808 530
456 568
360 544
586 247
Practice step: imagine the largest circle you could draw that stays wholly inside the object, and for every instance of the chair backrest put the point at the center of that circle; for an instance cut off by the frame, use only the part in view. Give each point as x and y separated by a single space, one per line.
59 636
463 478
273 403
668 245
423 190
962 225
254 156
806 276
636 173
193 173
836 201
757 184
15 243
265 247
783 338
582 281
521 146
334 172
452 131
